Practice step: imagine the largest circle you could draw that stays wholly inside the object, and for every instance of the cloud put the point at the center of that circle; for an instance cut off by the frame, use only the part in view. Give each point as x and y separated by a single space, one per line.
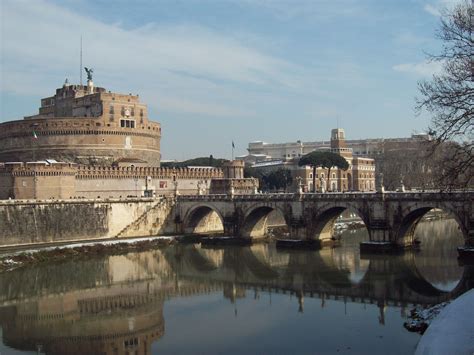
432 10
437 8
319 11
186 106
41 39
420 69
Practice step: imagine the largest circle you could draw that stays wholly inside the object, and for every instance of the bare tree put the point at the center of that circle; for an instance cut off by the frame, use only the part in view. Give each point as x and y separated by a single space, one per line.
449 96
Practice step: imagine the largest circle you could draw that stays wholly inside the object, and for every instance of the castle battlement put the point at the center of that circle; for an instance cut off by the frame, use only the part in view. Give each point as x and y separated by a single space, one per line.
38 169
114 172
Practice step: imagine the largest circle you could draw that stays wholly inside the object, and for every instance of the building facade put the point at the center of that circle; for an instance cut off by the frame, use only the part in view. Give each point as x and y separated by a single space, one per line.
84 124
360 175
370 148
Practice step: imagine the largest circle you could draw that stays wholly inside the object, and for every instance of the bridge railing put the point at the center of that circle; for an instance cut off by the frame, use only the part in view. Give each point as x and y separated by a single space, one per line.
406 195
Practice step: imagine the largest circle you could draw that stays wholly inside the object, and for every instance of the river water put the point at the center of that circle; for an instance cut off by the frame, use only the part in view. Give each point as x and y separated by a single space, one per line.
187 299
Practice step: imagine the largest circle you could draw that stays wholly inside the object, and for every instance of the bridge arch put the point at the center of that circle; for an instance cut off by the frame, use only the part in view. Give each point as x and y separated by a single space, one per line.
405 228
323 220
203 219
255 220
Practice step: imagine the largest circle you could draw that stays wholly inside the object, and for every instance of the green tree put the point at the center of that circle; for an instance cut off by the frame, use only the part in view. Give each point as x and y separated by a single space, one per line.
449 96
201 161
325 160
279 179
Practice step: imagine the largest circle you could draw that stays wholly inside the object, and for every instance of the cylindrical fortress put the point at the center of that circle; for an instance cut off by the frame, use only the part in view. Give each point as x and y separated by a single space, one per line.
78 140
86 125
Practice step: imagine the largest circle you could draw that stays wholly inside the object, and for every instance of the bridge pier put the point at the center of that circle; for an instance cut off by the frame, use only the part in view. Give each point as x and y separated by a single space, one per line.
231 227
383 240
297 228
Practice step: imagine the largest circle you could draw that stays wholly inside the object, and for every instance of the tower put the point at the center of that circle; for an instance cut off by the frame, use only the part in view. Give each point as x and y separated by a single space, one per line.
338 138
338 143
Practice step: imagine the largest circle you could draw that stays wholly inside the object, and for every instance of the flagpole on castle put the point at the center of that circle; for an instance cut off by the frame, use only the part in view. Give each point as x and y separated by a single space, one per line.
233 147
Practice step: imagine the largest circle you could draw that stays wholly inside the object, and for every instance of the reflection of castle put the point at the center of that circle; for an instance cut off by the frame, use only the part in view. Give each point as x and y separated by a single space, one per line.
115 304
69 324
123 314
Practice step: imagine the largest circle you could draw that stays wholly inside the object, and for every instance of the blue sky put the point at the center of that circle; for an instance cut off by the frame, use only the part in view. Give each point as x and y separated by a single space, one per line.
217 71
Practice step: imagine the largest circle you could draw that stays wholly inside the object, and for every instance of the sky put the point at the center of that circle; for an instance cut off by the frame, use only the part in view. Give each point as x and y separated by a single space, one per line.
217 71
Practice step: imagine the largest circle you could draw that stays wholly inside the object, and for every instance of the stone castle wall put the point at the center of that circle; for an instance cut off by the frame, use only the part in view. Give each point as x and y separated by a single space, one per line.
119 182
80 140
69 181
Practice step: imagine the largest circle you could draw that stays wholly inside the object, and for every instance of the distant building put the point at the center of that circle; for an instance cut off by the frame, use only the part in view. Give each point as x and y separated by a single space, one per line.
359 177
360 147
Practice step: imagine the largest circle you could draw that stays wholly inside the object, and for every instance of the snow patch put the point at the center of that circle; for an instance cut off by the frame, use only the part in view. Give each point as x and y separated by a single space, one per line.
451 332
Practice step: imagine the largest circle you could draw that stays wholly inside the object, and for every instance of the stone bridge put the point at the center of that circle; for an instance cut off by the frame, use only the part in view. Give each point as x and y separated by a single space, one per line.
390 218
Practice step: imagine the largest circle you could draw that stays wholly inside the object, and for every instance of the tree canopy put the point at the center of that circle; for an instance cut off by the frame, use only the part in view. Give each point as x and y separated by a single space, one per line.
325 160
449 96
201 161
278 179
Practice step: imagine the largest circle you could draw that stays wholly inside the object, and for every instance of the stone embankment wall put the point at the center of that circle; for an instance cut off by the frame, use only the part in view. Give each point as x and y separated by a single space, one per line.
32 222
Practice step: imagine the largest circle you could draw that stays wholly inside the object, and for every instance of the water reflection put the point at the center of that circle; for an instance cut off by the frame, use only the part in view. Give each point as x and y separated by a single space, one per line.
437 259
115 304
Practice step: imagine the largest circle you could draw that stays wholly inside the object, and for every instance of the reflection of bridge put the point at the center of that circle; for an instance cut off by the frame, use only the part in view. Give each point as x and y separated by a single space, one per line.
389 217
314 274
116 303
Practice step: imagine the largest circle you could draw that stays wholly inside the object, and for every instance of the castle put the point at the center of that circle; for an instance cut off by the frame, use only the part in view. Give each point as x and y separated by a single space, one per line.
84 125
87 142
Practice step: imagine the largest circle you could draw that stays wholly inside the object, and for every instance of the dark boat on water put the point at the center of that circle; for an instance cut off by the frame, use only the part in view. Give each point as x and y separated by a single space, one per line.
218 241
298 244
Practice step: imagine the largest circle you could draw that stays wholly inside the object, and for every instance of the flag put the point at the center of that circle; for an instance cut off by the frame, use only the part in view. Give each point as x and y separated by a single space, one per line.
233 145
34 135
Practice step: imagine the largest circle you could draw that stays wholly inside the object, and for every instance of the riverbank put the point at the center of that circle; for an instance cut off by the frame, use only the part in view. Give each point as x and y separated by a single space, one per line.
451 332
79 251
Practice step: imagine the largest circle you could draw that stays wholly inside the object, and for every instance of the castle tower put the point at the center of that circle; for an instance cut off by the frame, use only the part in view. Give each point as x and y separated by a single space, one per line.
233 169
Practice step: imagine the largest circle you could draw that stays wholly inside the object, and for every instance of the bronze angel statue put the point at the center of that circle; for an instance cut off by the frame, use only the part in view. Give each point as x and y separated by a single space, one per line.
89 73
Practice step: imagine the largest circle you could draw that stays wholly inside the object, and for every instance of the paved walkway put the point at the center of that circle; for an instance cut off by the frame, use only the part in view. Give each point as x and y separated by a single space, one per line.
452 331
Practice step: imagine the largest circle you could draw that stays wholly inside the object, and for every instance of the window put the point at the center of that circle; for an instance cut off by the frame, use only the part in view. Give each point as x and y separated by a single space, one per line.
111 109
127 123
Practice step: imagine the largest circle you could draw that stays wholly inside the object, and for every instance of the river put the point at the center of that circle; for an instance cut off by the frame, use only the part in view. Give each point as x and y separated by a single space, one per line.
187 299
